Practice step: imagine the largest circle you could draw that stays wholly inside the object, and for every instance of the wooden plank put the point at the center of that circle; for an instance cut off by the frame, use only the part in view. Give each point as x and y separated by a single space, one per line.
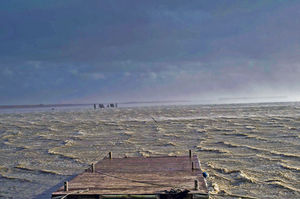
138 176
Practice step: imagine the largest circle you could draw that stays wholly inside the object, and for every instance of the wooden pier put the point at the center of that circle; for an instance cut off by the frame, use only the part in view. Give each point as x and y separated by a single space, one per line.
139 177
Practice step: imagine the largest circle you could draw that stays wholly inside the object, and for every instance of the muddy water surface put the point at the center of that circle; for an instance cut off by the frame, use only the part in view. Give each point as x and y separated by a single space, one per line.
249 150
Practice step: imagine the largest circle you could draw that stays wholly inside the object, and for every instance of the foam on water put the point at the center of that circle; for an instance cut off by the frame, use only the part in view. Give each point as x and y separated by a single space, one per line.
249 150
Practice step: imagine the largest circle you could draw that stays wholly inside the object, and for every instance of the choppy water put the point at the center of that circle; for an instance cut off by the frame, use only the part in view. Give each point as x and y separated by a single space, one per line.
250 150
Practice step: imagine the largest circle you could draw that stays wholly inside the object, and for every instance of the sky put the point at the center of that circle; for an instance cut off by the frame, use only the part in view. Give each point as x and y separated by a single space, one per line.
88 51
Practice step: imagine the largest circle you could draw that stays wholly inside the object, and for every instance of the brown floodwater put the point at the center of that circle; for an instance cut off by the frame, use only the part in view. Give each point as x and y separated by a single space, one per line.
248 150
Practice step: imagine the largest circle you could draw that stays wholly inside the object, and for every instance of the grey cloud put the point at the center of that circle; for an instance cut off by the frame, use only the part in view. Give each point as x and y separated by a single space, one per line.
125 49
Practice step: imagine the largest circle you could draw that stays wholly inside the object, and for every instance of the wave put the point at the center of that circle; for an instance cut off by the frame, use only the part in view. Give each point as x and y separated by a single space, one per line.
246 135
256 137
215 129
171 135
216 190
145 153
78 133
170 144
69 142
269 158
293 136
241 177
281 184
160 130
215 150
45 171
250 127
11 134
128 133
292 128
256 149
236 134
62 155
9 177
238 175
222 169
289 167
131 141
166 144
287 155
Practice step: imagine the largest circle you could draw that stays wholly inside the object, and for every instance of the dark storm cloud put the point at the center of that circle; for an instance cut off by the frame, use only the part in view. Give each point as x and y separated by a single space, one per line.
54 51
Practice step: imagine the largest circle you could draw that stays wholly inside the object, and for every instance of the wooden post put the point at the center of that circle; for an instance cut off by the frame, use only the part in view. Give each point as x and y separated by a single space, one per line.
66 186
93 167
109 155
196 185
190 153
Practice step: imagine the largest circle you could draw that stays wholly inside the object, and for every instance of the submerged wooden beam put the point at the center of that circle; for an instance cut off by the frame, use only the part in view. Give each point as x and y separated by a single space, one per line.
139 176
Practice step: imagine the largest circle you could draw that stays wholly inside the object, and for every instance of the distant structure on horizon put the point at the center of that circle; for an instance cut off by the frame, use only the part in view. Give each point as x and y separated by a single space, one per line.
110 105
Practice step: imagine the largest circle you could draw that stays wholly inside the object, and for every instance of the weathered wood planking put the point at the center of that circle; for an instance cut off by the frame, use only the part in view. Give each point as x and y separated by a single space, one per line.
138 176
